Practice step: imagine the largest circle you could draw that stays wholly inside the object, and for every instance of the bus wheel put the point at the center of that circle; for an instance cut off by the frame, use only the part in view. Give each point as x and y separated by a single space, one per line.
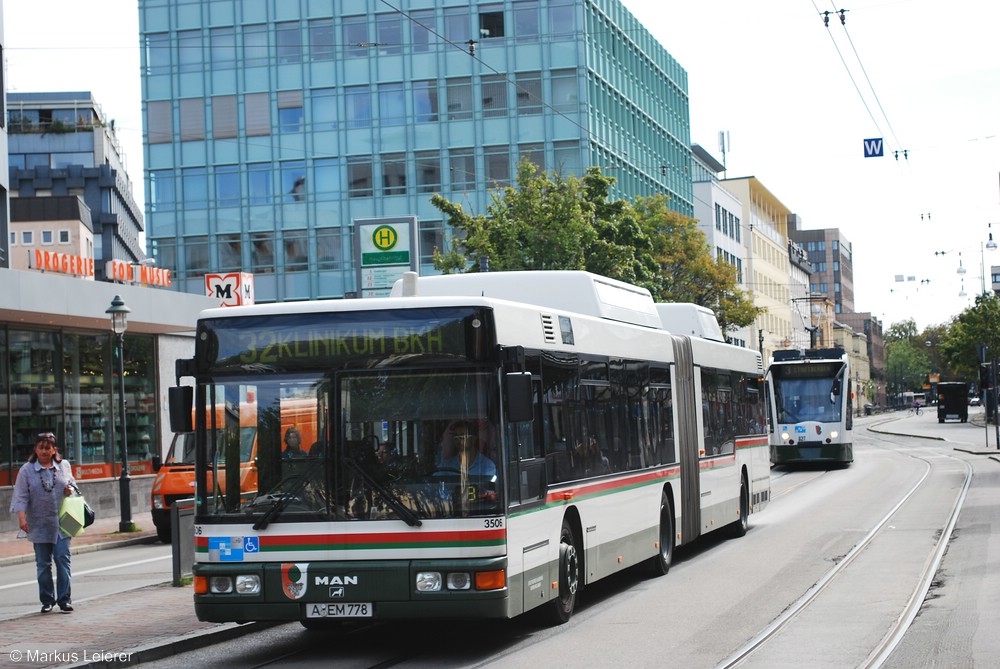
659 564
561 608
163 533
739 528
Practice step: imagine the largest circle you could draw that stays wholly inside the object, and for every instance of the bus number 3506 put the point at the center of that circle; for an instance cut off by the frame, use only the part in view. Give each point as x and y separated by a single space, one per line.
493 523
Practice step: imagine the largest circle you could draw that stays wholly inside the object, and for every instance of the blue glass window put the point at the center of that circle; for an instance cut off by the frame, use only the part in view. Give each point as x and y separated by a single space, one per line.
195 185
162 193
425 101
227 186
260 183
359 106
391 104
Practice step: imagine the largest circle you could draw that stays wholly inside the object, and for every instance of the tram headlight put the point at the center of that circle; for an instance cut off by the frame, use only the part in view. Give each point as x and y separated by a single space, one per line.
428 581
248 584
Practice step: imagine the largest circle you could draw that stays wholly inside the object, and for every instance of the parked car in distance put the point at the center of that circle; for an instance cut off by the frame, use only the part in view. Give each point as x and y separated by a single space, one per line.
975 401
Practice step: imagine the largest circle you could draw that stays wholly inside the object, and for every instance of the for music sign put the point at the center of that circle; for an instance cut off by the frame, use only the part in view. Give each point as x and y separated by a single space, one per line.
387 249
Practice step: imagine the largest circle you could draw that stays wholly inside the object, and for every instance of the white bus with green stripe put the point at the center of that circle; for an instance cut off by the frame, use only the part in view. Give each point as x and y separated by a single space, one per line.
488 444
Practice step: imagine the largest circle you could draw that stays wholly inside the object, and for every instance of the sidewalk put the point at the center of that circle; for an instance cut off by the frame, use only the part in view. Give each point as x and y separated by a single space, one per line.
114 631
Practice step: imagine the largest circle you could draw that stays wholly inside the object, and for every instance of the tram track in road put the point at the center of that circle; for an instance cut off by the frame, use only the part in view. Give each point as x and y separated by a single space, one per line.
777 476
884 648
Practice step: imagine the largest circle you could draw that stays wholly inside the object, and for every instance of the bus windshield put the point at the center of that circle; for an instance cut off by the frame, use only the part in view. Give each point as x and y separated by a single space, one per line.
362 445
808 393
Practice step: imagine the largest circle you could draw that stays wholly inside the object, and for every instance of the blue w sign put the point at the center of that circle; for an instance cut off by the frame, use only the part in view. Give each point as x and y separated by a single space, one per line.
873 147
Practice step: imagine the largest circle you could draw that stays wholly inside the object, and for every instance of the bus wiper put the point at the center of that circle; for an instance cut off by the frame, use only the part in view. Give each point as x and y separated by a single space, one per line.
403 511
281 501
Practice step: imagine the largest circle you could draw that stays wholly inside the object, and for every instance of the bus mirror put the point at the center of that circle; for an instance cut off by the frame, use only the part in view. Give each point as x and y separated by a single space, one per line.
518 391
180 400
157 463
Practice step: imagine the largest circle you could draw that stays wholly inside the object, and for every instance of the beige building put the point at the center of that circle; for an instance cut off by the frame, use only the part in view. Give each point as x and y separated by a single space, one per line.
51 229
856 346
768 265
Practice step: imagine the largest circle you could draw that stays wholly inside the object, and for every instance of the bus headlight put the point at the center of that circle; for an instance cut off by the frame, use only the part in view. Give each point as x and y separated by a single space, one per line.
220 585
459 581
784 436
834 434
428 581
248 584
158 502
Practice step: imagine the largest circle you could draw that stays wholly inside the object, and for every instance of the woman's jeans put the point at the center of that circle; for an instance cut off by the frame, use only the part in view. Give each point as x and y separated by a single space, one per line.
45 554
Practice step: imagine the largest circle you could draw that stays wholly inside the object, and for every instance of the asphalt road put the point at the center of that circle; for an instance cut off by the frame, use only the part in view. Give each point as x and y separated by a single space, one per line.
890 562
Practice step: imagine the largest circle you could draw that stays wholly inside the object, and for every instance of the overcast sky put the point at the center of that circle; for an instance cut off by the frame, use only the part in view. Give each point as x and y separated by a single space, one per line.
796 99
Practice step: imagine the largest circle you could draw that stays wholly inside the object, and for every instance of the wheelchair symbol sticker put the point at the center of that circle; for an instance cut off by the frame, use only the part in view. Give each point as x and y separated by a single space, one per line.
251 544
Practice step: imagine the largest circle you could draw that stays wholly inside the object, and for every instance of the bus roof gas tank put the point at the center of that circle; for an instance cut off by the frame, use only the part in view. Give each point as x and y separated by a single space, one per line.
565 290
685 318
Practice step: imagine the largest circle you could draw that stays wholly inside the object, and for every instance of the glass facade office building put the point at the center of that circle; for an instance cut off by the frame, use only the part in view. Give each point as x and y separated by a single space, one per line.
271 125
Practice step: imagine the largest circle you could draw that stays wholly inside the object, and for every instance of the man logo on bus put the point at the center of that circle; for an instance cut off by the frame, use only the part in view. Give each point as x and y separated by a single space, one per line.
385 237
293 579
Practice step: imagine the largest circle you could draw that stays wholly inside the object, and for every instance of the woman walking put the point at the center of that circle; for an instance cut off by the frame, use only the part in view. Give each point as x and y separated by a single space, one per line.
41 484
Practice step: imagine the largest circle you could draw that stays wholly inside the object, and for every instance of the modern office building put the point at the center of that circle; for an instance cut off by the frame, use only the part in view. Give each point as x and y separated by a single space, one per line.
61 145
833 257
272 127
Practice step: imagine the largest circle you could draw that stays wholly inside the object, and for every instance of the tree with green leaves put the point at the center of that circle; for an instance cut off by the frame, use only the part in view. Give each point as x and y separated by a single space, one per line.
548 222
976 326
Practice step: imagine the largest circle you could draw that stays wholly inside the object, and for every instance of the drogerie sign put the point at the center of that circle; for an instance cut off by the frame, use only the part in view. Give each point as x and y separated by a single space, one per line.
64 263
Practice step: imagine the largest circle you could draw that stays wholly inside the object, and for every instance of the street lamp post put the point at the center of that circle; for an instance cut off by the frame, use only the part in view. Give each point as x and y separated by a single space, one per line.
119 322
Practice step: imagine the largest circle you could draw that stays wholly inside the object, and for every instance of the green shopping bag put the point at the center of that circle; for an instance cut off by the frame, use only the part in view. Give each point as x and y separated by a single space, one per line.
71 516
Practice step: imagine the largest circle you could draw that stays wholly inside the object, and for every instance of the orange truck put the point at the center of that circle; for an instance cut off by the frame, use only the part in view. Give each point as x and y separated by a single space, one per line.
175 477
